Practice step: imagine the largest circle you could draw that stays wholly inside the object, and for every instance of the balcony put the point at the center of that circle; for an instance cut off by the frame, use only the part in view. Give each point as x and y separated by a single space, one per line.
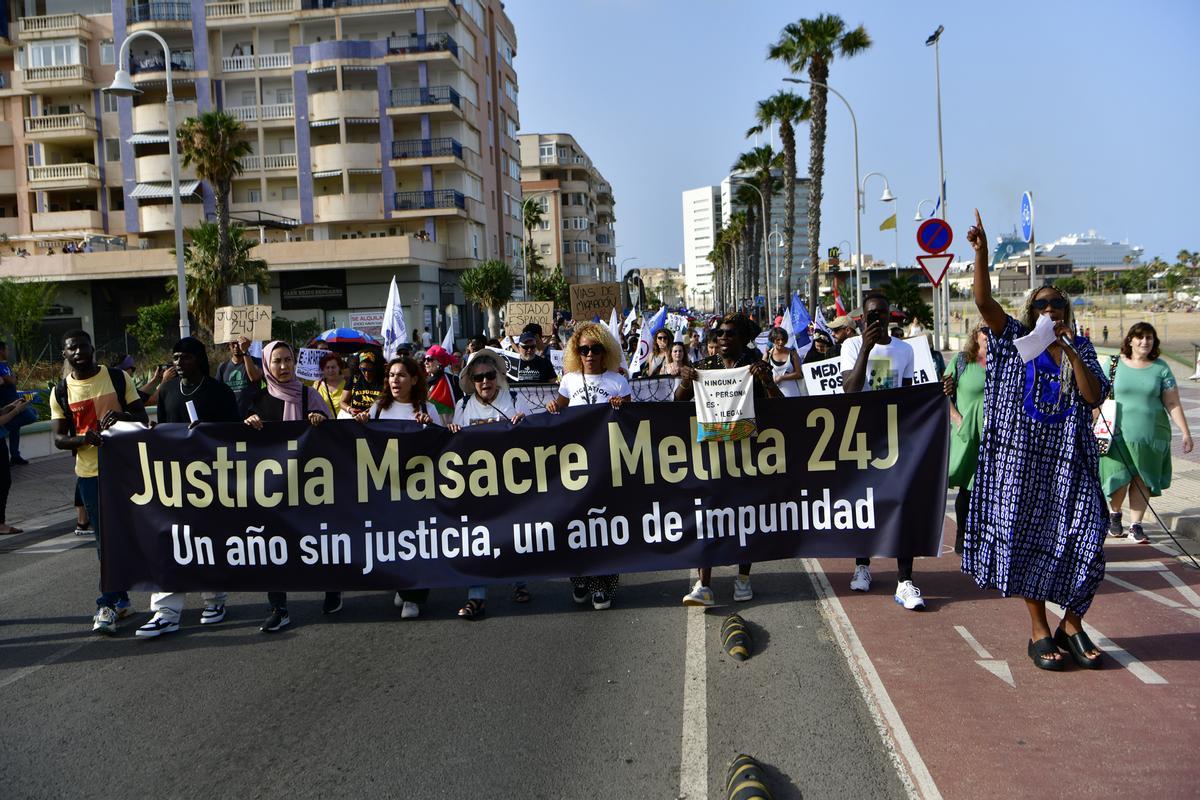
159 11
67 76
352 155
269 162
323 4
272 112
429 200
346 207
181 61
157 169
420 149
161 216
63 176
60 126
425 101
152 117
53 221
347 103
422 43
242 8
262 62
55 26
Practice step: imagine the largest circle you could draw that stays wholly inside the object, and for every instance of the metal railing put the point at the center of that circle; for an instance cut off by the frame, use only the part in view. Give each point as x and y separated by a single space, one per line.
53 22
181 61
431 96
311 4
159 11
64 172
64 72
426 148
422 43
59 122
433 198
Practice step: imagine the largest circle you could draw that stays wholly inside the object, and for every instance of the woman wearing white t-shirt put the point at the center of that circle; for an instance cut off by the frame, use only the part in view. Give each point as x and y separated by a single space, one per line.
404 395
486 400
590 377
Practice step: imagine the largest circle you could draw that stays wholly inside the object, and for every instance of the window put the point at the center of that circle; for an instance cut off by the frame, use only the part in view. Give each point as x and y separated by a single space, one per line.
254 196
112 149
30 155
510 89
545 249
510 126
474 11
110 102
57 53
545 225
283 95
108 53
514 169
505 50
289 193
546 152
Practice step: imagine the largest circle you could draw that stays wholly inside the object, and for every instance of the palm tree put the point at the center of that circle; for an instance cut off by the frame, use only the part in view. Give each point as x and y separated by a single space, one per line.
207 280
740 225
760 163
904 294
716 257
210 142
490 284
785 110
532 216
812 44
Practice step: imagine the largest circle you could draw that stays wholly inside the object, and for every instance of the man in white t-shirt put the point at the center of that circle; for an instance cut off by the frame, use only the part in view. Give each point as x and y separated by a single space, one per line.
876 360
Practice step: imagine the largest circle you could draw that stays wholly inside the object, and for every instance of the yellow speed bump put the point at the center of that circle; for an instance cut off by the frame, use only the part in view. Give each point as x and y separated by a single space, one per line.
745 780
735 637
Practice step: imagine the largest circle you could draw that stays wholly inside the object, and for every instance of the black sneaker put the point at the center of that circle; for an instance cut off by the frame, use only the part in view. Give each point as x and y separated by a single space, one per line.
17 461
1137 534
1114 525
277 621
601 600
332 604
580 595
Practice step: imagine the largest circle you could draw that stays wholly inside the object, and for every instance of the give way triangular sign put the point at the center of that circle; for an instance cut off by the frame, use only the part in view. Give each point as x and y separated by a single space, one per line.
935 266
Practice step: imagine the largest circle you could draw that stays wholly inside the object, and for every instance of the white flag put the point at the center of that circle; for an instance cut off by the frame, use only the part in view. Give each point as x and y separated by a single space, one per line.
448 340
614 328
629 320
394 330
643 349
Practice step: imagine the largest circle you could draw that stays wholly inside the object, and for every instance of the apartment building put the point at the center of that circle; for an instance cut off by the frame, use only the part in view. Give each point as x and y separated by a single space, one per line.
801 260
701 224
577 208
383 136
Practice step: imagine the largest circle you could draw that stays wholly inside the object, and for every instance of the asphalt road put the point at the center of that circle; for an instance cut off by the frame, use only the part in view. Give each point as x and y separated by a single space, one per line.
547 700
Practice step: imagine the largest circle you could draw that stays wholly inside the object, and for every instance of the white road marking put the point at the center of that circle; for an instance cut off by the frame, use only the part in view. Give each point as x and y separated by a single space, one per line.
896 739
1188 593
693 755
1118 654
972 641
997 666
1146 593
59 544
1134 566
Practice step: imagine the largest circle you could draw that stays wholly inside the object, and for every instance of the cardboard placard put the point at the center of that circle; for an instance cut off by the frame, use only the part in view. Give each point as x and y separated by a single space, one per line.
368 322
231 323
308 364
589 300
823 377
924 370
518 314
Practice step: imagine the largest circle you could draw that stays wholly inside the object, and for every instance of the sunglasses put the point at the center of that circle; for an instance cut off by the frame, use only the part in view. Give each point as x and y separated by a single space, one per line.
527 347
588 349
1056 303
728 333
480 377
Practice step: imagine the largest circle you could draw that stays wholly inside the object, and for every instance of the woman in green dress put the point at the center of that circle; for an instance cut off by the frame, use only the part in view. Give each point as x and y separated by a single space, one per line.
1138 462
965 377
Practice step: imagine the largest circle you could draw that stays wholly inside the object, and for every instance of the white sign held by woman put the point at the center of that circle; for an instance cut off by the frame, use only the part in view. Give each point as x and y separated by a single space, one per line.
724 404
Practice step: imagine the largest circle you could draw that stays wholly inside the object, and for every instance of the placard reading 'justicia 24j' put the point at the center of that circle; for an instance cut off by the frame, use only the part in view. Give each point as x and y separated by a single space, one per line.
590 491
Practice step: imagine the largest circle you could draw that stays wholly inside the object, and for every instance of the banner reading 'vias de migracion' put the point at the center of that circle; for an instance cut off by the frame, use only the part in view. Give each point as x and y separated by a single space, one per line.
590 491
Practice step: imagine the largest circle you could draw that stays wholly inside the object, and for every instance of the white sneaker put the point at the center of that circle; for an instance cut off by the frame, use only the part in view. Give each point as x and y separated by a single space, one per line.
741 590
157 626
105 621
398 601
909 596
410 610
700 595
861 582
212 614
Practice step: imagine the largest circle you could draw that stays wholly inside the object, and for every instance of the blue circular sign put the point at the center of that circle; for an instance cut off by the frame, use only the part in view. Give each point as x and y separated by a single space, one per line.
1027 216
934 236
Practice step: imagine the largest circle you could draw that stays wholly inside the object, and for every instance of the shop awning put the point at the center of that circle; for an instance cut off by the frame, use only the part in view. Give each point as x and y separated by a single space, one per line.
149 138
157 190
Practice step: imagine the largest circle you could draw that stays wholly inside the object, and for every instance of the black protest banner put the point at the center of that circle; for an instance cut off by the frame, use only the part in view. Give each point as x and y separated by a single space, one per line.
388 505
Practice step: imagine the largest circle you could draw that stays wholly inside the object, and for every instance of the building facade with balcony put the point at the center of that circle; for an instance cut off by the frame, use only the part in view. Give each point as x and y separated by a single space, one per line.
367 119
577 227
701 224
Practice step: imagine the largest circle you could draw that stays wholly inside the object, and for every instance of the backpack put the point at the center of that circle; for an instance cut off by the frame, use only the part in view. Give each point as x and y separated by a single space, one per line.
60 395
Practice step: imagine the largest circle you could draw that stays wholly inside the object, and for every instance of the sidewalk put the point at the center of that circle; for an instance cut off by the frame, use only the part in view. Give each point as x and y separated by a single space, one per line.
45 486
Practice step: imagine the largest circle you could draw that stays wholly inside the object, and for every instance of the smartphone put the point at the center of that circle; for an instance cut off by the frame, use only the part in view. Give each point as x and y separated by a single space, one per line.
876 315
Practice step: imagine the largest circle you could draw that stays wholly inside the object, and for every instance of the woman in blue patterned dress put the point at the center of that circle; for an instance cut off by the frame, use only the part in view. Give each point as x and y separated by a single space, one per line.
1037 518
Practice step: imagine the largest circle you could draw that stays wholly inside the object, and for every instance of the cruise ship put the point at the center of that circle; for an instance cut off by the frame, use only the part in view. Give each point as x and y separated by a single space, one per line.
1084 251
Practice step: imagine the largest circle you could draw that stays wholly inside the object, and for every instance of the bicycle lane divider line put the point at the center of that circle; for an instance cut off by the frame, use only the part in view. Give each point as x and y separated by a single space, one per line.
1119 654
693 752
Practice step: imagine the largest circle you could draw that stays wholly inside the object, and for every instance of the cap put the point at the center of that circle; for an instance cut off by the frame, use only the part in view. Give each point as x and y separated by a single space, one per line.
841 322
528 337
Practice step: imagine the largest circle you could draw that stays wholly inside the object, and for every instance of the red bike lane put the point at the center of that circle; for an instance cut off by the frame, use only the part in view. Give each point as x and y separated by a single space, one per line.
979 720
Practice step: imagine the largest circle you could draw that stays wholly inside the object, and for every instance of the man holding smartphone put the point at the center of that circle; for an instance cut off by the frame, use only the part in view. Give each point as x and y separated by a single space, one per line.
876 360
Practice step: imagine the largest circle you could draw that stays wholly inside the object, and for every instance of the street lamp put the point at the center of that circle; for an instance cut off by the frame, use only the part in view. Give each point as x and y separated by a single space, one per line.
857 219
783 270
932 41
122 86
918 217
766 238
886 197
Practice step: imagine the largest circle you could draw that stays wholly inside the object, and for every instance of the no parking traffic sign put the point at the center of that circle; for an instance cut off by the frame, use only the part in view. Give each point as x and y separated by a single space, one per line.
934 236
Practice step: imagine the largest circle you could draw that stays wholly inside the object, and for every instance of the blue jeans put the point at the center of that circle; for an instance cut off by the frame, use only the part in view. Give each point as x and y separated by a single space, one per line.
89 493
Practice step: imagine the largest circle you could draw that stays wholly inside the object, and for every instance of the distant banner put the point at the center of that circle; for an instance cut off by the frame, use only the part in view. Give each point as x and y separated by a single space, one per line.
592 490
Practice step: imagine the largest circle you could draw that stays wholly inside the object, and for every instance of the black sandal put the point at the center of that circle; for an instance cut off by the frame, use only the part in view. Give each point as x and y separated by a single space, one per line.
472 610
521 595
1078 646
1040 653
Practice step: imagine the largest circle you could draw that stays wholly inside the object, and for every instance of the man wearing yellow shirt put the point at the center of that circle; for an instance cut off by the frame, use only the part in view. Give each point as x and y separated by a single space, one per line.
89 400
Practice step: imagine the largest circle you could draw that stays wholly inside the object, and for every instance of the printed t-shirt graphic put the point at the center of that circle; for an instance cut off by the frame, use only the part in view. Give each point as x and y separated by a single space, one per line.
89 401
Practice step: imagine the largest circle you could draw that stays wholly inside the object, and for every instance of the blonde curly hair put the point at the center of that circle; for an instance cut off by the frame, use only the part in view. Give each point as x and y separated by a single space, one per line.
600 335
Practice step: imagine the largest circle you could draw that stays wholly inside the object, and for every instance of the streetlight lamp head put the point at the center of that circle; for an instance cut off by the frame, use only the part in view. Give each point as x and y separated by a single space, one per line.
933 37
917 217
122 86
795 80
887 195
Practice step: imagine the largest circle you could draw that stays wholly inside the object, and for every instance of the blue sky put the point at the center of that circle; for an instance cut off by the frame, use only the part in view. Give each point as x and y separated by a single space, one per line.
1092 106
